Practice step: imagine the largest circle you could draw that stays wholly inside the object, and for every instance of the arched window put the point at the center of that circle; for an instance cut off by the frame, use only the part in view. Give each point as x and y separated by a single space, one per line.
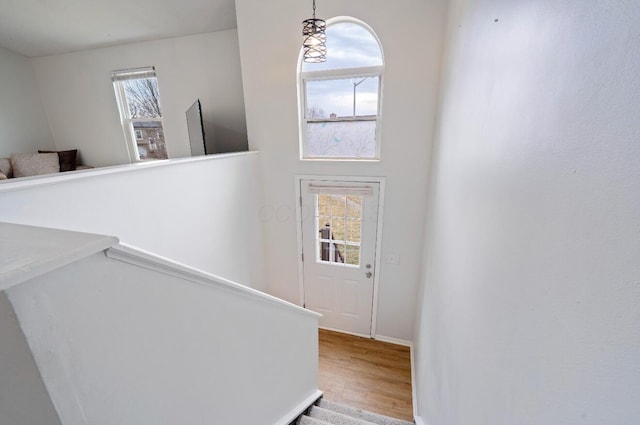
340 99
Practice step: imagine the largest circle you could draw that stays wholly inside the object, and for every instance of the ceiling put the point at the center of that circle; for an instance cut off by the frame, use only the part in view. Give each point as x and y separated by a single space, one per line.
50 27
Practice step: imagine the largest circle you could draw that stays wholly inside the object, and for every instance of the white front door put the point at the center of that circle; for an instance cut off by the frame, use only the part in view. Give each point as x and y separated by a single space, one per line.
339 225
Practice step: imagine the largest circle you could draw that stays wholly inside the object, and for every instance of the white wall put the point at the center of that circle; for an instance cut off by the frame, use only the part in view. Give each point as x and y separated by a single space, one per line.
23 397
121 344
80 102
530 309
411 36
23 124
201 212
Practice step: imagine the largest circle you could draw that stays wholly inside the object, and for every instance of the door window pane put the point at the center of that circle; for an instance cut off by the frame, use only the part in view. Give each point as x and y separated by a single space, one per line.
338 228
353 255
354 206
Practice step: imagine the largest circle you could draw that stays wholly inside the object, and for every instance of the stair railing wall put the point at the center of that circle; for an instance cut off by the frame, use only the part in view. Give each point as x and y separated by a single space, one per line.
123 337
201 211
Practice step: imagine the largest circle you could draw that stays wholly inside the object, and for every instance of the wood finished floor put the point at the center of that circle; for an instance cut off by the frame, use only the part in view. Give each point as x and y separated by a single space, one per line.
365 373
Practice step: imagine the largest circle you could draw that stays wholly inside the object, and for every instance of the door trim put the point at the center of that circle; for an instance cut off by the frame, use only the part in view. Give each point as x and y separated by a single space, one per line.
376 275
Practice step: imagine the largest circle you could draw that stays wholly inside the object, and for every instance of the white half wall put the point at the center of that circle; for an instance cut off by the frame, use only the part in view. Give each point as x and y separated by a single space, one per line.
411 33
202 212
530 308
140 341
23 124
23 397
80 103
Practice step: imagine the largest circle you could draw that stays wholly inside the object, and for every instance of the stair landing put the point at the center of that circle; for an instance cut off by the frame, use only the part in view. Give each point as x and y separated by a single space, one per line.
366 374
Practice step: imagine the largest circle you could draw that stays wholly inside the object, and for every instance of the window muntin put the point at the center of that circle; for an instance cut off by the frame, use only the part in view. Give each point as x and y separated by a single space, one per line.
138 98
340 99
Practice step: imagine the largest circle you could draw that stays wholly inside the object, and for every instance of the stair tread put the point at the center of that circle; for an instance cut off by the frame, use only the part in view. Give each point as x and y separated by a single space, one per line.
364 415
336 418
306 420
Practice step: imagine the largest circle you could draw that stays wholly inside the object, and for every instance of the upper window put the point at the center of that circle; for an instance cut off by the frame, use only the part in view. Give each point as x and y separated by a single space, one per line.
138 99
340 99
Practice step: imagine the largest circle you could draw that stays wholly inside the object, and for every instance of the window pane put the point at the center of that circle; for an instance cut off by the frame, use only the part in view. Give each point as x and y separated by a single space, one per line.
152 144
339 98
331 252
346 139
338 205
338 227
324 221
354 206
324 205
352 256
143 98
349 45
353 231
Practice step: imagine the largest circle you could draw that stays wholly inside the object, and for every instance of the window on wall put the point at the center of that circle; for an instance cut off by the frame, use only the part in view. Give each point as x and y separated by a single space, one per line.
340 99
138 98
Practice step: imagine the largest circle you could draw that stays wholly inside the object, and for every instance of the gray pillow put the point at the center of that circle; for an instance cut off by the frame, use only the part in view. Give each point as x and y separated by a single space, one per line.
33 164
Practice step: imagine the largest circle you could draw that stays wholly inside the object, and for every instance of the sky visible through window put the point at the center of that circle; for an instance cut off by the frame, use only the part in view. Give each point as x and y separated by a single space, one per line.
349 45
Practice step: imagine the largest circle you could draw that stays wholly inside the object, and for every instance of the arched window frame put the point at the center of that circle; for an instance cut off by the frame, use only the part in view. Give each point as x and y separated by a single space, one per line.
340 73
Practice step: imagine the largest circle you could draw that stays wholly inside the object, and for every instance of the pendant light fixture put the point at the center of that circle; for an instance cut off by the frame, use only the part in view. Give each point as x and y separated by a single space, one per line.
314 38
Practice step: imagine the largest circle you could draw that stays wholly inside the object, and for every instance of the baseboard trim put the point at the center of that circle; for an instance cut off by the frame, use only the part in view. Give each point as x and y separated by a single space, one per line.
419 421
292 414
396 341
380 338
414 391
344 332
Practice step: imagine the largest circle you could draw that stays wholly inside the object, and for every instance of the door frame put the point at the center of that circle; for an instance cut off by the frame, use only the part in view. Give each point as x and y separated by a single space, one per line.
378 257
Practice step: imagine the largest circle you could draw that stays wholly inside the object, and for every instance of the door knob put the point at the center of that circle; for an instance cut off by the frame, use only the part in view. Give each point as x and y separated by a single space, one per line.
369 274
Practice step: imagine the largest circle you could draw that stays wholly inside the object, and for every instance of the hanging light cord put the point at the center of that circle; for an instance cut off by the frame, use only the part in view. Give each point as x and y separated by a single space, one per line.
314 9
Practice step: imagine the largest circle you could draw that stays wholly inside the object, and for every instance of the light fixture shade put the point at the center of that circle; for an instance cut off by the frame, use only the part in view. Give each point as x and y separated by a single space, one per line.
314 39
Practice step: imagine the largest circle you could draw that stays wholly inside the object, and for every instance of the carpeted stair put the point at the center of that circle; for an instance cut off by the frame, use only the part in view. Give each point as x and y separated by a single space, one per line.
325 412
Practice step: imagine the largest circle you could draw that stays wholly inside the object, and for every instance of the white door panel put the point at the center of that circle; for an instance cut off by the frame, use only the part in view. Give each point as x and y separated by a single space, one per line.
339 224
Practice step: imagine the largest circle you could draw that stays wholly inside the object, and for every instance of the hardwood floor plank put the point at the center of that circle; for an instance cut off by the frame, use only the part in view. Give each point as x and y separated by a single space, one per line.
365 373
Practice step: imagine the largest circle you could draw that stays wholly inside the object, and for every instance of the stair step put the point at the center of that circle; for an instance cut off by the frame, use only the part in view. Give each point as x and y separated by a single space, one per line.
335 418
306 420
361 414
326 412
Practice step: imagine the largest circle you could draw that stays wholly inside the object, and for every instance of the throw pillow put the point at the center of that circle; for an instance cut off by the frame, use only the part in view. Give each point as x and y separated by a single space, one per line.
2 176
5 166
67 159
33 164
